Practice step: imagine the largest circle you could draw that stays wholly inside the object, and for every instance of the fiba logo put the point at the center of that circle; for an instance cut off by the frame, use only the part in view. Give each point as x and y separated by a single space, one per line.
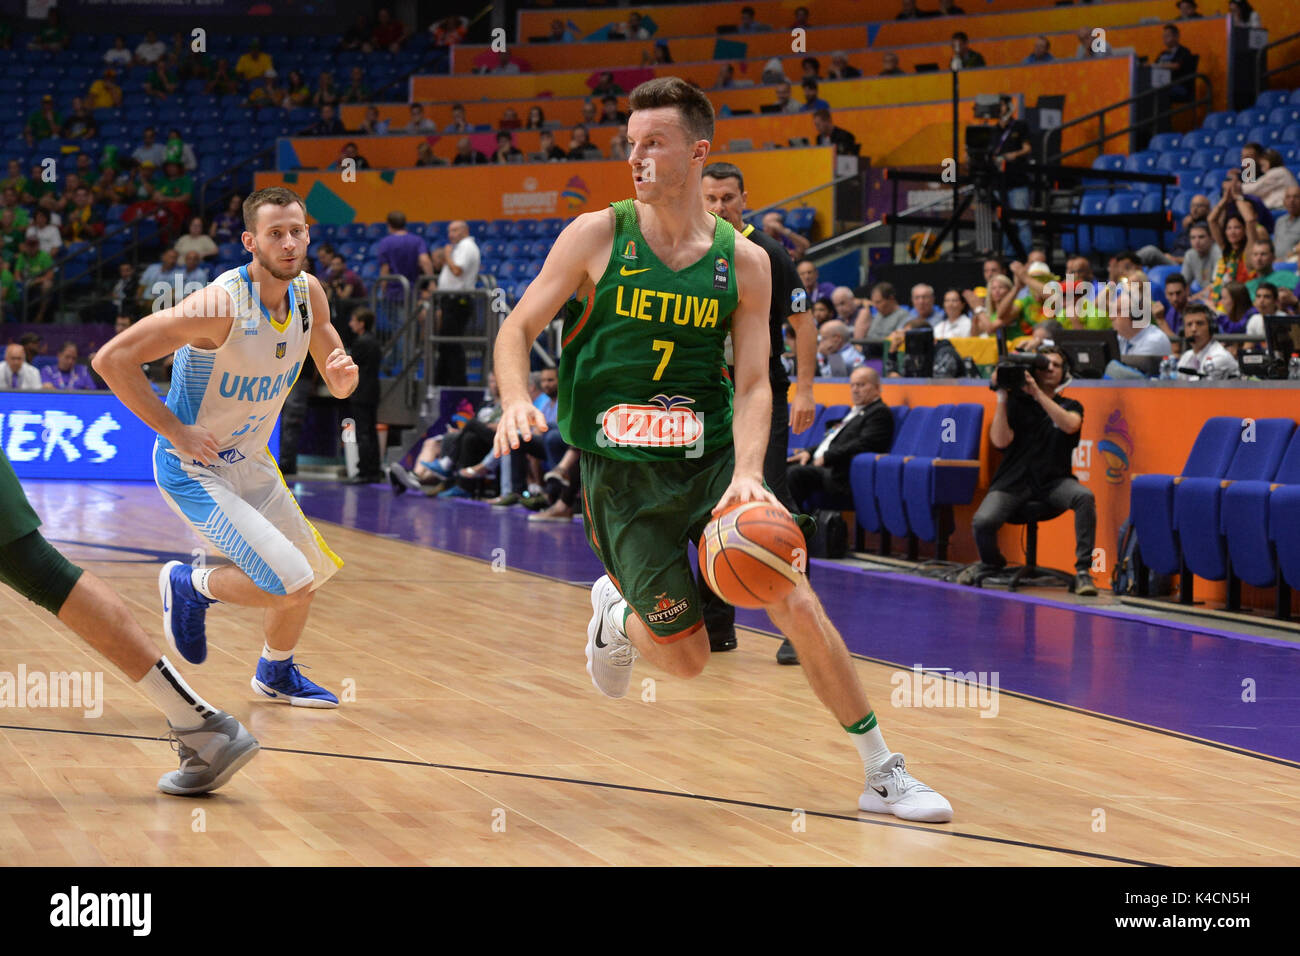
530 184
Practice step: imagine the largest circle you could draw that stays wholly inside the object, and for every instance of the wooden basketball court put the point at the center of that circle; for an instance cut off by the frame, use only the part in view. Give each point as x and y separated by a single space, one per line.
475 737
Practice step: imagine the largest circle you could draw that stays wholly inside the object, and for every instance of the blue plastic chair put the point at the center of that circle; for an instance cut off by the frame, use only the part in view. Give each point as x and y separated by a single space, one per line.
932 486
1252 536
862 470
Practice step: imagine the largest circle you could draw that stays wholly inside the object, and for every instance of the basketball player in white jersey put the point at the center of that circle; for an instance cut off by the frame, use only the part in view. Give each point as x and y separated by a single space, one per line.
240 344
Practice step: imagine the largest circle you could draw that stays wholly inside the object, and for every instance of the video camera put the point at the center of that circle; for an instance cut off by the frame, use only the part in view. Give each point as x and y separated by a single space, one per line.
1012 369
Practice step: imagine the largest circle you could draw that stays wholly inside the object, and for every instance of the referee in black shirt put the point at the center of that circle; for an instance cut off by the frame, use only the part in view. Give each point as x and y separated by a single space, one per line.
725 196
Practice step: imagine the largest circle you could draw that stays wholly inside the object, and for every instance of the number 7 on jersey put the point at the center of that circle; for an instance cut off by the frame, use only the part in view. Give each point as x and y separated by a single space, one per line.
665 346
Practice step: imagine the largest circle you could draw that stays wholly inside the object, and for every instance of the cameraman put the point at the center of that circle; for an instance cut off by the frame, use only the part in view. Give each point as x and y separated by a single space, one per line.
1038 430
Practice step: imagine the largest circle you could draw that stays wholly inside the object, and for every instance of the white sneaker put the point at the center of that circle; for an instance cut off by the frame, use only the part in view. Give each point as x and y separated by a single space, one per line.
891 789
609 653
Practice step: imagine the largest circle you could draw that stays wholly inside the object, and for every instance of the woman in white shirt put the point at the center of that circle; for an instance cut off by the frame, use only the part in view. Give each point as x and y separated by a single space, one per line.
45 233
1243 14
955 323
196 241
1274 179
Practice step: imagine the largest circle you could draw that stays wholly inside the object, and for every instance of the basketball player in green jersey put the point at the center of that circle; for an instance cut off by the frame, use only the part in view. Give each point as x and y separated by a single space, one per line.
644 393
212 744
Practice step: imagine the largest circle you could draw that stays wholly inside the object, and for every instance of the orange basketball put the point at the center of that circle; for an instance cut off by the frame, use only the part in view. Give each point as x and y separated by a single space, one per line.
752 554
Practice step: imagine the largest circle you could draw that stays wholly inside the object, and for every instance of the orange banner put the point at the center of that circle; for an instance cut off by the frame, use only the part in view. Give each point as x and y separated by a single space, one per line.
1129 428
687 19
534 190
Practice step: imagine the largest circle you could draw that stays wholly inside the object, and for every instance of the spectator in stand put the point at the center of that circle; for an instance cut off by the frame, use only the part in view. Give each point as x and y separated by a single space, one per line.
1271 181
1228 227
632 29
908 11
176 150
605 86
836 355
1198 210
1179 60
47 236
547 150
222 82
889 315
104 93
363 403
961 51
1091 43
357 35
560 33
46 122
466 154
1201 260
9 203
1235 308
342 281
774 226
536 118
418 122
505 64
176 186
509 120
161 82
868 427
459 273
1266 303
424 155
923 306
1243 14
848 308
459 123
83 221
581 146
813 287
349 154
811 101
15 180
590 115
327 92
1042 52
35 269
506 151
450 31
357 91
16 374
150 150
329 124
118 55
1286 228
618 144
160 277
401 253
196 274
747 23
390 32
726 77
372 125
955 323
1203 356
228 226
783 104
196 240
1169 318
1262 262
150 50
828 134
80 123
609 111
296 90
823 310
1187 10
67 375
255 64
891 67
125 289
267 93
841 69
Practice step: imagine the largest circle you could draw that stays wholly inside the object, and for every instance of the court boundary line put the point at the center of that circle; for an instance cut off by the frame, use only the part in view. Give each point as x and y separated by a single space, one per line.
632 788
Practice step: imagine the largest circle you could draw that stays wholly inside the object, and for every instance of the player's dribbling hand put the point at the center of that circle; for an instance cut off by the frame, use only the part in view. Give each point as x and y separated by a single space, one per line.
341 370
196 443
743 489
518 422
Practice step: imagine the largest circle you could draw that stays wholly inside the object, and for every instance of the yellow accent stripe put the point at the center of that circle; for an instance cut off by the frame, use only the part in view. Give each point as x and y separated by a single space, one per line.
320 542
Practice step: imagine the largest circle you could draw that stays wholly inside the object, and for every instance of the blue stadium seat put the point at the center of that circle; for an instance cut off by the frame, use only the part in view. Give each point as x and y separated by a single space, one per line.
932 486
1252 537
862 472
1157 275
496 249
1291 134
1264 134
551 227
1110 162
1111 238
1251 117
375 231
498 229
530 269
1172 160
1230 137
527 229
1151 497
538 248
520 288
1270 99
801 219
1282 116
1094 205
1295 96
1163 141
1211 180
508 270
889 470
1198 501
477 227
1143 161
1203 159
1290 153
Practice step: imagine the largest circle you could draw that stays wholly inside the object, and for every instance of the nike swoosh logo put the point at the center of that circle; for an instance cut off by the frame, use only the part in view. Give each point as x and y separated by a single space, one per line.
600 629
624 271
881 790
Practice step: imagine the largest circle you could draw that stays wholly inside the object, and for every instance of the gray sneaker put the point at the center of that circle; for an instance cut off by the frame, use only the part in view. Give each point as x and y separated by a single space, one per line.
401 479
210 755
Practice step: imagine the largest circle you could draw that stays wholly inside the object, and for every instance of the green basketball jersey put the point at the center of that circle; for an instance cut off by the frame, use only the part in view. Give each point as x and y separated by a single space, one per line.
642 371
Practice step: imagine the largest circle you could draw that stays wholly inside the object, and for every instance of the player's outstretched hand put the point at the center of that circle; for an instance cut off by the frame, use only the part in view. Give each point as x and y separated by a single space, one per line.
341 371
518 422
196 443
743 489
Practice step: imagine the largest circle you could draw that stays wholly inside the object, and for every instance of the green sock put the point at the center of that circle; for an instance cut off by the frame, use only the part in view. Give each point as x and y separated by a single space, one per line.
869 741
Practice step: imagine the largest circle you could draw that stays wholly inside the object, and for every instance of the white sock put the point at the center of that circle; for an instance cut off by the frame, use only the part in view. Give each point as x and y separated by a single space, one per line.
617 615
183 708
273 655
199 578
871 744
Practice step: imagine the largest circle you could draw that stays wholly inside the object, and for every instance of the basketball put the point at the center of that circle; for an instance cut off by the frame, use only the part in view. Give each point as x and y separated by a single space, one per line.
750 553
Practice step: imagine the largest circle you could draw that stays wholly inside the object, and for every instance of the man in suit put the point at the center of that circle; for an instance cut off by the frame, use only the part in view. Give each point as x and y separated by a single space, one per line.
869 426
364 402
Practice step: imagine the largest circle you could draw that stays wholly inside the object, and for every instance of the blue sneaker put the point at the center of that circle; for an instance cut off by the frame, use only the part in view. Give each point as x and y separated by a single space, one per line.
456 491
282 681
183 611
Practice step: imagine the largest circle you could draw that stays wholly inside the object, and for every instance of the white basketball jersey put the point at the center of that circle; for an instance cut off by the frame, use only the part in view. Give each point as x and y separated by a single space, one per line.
236 391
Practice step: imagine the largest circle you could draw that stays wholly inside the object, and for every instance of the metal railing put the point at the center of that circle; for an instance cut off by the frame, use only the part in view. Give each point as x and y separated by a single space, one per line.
1261 59
1099 141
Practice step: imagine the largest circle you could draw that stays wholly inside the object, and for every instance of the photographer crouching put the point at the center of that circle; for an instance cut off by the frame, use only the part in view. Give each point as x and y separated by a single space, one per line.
1037 429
